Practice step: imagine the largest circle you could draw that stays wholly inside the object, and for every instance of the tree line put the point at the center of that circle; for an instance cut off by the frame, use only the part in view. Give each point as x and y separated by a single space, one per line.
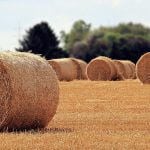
126 41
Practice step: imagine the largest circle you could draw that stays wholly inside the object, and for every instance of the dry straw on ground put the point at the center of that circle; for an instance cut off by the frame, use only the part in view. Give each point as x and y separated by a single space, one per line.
29 91
81 68
101 68
65 69
143 68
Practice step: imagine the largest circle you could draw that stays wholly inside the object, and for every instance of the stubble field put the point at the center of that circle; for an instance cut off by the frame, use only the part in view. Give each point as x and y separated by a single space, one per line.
92 115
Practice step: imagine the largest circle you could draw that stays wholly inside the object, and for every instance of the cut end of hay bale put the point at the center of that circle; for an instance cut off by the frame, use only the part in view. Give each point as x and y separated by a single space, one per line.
29 91
143 68
101 68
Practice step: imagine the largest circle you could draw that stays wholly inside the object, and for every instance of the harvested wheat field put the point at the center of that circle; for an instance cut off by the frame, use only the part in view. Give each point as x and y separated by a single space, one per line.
92 116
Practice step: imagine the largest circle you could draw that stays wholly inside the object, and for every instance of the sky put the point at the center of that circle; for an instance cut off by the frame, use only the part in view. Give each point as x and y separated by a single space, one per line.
17 16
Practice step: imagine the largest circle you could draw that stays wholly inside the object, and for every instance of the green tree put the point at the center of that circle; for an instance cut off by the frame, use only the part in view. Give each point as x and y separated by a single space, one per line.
40 39
128 28
125 41
78 33
130 48
80 50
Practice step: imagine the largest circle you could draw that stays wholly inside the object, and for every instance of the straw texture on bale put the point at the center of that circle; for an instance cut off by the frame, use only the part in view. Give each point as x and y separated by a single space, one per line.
65 69
121 70
29 91
143 68
81 68
57 68
132 65
132 68
129 70
101 68
125 69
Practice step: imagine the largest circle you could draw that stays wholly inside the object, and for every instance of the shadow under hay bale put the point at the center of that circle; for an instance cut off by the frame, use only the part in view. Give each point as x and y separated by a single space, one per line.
29 91
41 131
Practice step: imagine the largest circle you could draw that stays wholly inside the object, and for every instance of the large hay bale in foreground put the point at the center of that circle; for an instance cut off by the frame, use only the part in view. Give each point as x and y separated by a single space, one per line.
29 91
81 68
101 68
65 69
143 68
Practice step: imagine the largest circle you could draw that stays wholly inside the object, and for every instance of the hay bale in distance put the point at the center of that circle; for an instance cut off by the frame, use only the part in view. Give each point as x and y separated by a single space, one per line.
57 68
128 68
132 68
125 69
65 69
132 65
121 70
101 68
29 91
81 68
143 68
77 67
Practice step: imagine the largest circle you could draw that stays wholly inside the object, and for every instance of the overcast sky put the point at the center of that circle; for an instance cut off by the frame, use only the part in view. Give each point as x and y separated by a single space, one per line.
16 16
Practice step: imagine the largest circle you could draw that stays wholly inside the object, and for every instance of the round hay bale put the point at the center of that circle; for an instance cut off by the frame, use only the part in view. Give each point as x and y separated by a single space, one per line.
64 68
55 65
129 71
132 67
29 91
113 68
143 68
81 68
78 68
121 71
101 68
